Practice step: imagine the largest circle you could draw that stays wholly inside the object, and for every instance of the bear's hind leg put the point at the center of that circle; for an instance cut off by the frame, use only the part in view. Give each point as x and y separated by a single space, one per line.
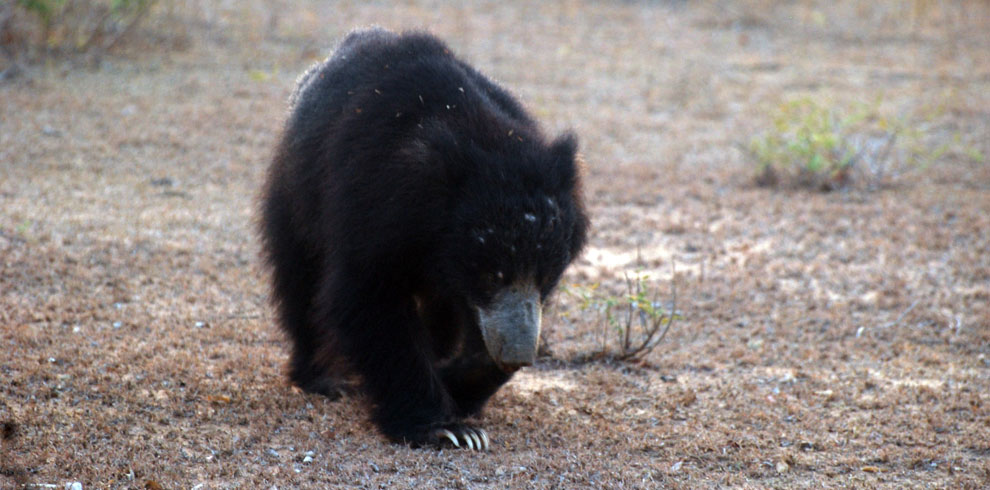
294 274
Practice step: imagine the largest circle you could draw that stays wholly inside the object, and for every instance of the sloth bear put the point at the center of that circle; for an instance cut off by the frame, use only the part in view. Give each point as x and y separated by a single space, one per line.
415 219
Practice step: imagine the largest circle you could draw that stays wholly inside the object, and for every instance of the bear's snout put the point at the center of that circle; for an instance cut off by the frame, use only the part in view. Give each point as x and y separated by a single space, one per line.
510 326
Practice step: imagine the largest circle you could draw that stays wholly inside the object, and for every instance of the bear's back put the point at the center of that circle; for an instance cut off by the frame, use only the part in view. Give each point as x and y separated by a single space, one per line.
386 83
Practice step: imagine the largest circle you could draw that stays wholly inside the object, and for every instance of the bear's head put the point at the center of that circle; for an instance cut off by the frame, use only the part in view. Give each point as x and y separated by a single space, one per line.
515 222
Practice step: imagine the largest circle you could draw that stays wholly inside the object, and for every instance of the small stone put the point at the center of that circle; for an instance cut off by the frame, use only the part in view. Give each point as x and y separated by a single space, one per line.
163 182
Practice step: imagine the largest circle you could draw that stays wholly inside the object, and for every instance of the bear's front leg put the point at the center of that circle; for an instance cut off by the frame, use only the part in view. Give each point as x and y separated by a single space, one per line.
471 380
386 345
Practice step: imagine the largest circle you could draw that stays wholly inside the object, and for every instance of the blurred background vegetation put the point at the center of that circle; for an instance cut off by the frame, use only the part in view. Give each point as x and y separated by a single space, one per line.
31 29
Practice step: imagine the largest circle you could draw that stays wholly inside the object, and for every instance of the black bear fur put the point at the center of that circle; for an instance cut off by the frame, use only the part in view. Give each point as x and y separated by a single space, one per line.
406 189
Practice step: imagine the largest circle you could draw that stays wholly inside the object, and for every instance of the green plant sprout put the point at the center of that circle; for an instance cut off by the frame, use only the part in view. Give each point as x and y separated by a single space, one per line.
635 322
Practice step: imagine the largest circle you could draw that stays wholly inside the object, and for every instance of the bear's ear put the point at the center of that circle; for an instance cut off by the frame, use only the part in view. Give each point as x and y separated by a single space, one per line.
563 152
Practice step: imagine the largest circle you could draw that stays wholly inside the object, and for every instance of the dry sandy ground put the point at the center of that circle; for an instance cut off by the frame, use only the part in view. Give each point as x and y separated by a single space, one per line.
826 340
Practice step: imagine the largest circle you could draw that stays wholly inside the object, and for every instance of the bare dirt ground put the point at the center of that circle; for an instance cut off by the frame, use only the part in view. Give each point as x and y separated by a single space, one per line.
827 339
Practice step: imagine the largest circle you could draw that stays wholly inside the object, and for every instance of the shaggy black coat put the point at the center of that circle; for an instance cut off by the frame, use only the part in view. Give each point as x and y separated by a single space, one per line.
406 189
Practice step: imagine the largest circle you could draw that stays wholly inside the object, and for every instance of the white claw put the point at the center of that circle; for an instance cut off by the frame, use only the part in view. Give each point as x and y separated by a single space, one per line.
467 440
449 435
477 440
484 439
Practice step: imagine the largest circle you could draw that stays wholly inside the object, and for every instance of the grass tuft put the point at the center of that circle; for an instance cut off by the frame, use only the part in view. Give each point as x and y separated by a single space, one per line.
819 145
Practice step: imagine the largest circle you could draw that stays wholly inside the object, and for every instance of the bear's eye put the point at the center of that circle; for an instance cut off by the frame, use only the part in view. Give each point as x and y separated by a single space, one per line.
491 282
488 284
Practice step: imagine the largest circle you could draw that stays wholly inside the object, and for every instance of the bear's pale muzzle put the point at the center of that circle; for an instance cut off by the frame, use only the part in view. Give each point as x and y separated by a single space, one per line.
511 326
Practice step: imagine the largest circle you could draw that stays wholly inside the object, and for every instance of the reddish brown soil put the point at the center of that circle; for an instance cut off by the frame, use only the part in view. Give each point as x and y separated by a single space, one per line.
827 339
